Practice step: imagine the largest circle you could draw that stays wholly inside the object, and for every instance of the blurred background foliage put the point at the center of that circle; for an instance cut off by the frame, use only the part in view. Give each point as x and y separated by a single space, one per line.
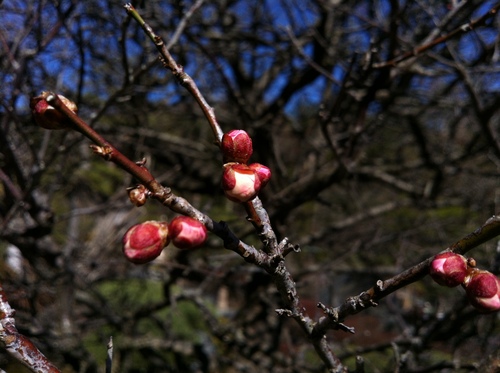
376 166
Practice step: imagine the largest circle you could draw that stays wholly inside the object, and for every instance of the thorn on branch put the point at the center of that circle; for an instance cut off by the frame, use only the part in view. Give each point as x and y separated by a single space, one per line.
333 315
345 328
329 311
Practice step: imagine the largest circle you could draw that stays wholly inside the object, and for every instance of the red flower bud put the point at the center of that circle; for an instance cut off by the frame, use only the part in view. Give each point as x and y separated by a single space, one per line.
236 146
239 182
448 269
145 241
186 232
263 173
483 291
47 116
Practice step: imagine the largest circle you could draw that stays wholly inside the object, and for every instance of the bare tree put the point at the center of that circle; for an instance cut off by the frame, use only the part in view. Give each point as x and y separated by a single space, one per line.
379 121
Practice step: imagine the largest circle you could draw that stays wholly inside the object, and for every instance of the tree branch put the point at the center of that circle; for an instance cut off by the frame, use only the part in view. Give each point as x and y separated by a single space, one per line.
19 346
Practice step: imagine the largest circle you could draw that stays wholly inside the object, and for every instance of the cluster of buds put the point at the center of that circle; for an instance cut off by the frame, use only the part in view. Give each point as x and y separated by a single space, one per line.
482 288
46 116
144 242
241 182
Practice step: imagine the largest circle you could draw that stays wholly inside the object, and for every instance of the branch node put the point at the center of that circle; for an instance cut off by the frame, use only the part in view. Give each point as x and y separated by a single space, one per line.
105 151
142 162
379 286
331 312
283 312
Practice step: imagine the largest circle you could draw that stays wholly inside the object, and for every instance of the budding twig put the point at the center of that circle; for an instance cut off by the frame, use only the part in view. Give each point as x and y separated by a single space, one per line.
273 259
163 194
370 297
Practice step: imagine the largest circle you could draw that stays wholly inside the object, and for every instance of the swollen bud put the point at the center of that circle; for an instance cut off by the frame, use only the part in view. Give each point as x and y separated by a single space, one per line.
483 291
47 116
236 146
138 195
263 173
145 241
448 269
186 232
239 182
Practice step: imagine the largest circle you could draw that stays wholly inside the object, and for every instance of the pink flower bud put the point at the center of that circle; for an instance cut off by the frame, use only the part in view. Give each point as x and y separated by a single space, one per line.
236 146
144 242
483 291
47 116
263 173
186 232
239 182
448 269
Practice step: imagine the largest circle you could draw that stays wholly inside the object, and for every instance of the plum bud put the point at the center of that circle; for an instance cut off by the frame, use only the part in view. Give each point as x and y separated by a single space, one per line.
47 116
138 195
263 173
186 232
483 291
145 241
239 182
236 146
448 269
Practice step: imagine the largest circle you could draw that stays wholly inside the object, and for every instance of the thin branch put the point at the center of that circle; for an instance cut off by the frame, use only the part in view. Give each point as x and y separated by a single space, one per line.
183 23
370 297
163 194
109 355
178 71
463 29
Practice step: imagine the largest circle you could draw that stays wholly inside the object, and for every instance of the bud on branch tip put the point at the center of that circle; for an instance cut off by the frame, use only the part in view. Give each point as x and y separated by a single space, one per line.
46 116
236 146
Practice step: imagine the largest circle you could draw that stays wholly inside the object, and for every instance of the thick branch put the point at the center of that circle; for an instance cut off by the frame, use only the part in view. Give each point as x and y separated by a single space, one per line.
19 346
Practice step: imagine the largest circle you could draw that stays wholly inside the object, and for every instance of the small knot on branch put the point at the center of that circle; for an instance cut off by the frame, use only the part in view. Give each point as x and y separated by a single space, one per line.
283 312
329 311
104 151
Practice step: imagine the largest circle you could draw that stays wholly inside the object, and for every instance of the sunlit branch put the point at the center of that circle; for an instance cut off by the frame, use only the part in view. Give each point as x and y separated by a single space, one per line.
370 297
178 71
19 346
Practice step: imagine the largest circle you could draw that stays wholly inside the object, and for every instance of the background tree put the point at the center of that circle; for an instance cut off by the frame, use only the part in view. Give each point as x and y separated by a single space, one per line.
379 120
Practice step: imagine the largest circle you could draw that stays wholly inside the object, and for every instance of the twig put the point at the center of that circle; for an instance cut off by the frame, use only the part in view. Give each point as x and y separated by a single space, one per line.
163 194
273 260
182 24
109 355
19 346
370 297
458 31
178 71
